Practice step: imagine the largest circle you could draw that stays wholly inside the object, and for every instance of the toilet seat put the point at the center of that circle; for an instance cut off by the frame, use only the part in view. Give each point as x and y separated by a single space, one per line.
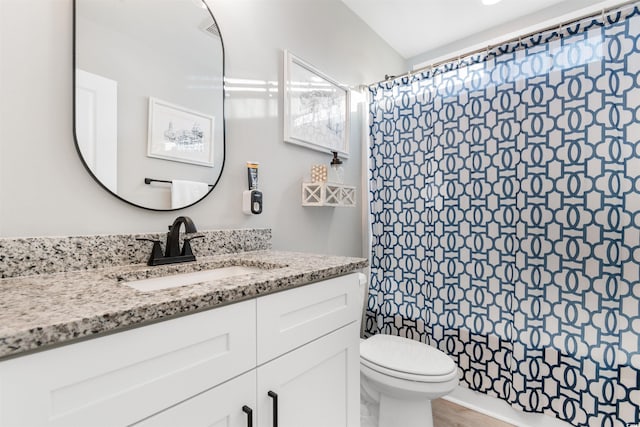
406 359
409 377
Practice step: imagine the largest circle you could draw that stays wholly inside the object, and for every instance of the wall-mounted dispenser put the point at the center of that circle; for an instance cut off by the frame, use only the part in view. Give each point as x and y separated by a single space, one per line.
252 198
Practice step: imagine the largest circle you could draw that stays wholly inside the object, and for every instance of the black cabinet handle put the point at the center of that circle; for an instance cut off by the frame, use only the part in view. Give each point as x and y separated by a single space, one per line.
274 396
249 413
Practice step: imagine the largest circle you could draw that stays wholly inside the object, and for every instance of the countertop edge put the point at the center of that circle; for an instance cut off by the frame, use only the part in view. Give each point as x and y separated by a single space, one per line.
29 341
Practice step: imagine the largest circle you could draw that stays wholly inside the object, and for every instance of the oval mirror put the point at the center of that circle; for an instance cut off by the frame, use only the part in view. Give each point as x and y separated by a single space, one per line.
149 99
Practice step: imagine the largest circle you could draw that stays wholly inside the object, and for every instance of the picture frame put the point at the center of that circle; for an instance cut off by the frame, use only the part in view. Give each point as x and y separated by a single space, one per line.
316 108
179 134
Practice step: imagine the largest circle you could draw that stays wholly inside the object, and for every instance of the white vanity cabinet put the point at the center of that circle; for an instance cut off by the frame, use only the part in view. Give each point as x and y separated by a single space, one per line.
308 355
211 368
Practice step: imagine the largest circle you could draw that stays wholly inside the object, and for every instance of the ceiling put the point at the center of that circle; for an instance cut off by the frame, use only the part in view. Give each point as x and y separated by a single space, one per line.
416 27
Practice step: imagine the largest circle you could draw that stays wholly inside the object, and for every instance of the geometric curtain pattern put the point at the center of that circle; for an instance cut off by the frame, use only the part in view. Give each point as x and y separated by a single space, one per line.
505 209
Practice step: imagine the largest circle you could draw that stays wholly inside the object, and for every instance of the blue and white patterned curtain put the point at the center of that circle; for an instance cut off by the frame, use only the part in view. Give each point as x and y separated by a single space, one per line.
505 205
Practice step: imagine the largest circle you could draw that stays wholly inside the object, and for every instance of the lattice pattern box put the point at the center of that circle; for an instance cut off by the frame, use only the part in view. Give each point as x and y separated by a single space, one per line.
328 194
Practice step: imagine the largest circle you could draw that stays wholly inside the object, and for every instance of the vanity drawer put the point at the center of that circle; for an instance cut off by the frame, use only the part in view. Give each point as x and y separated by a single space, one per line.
287 320
121 378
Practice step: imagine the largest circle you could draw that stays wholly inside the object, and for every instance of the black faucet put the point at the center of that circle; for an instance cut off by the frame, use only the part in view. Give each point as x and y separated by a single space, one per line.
173 254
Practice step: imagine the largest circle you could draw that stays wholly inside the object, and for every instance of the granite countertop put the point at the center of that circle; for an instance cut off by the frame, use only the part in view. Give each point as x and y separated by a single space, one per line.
40 311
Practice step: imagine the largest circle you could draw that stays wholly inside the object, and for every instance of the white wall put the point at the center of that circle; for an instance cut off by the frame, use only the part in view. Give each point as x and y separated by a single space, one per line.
44 189
560 13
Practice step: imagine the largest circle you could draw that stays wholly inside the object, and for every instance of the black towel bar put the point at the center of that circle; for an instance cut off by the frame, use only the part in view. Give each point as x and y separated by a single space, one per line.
150 180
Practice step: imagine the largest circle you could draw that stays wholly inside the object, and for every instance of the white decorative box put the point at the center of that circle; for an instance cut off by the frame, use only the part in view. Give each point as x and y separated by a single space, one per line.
328 194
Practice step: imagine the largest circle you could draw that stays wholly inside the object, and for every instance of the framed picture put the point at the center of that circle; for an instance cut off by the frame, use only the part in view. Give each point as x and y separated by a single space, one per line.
179 134
316 108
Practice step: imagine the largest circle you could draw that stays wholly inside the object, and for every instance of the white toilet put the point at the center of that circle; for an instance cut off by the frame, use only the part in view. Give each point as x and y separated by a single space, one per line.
400 377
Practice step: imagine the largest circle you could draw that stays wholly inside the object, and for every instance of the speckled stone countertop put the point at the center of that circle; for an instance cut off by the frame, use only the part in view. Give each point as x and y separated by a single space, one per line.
43 310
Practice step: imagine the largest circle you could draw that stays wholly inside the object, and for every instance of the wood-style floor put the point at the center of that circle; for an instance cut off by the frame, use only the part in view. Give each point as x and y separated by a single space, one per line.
447 414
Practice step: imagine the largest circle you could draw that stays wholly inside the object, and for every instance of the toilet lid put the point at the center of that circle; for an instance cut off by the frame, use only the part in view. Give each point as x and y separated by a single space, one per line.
404 355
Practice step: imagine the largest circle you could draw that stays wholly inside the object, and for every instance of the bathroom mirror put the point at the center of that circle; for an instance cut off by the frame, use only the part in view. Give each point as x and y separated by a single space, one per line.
149 99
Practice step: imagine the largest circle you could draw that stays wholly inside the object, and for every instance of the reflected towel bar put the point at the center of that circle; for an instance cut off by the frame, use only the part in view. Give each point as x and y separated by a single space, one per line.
150 180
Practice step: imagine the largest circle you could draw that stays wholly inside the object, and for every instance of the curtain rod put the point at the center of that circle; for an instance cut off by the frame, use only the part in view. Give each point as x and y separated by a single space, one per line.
489 47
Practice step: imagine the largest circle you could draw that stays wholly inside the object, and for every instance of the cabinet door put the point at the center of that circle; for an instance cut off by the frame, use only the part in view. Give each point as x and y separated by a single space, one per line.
222 406
317 385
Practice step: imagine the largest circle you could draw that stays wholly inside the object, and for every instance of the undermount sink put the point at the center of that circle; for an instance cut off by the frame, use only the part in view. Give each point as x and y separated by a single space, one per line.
183 279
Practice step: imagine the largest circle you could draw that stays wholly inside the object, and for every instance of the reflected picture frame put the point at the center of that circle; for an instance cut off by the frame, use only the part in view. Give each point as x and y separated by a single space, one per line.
180 134
316 108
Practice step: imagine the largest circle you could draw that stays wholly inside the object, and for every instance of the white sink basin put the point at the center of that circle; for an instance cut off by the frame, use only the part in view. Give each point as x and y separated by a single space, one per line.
176 280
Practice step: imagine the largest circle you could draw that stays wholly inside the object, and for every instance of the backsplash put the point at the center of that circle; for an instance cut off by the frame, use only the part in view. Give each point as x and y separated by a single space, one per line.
46 255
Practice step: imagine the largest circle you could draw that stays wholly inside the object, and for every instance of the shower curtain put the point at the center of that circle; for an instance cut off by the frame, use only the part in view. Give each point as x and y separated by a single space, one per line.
505 213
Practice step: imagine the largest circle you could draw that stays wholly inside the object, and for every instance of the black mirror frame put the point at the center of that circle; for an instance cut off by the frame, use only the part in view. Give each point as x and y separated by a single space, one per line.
75 137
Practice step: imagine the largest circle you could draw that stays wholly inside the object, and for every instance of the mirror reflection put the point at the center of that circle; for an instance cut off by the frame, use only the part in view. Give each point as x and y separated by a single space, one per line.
149 97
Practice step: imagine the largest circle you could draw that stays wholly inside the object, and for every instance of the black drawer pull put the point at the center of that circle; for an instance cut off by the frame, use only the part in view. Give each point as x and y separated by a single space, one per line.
249 413
274 396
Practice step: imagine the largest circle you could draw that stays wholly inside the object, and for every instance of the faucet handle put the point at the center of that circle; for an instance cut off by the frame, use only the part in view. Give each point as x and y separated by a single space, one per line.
191 236
156 251
186 247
